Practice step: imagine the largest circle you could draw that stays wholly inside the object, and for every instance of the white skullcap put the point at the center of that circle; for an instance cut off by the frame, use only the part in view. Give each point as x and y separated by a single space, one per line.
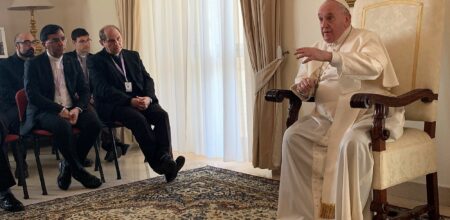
344 3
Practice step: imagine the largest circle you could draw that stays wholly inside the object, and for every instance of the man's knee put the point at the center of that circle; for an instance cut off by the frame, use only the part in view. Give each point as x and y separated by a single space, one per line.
355 142
161 114
137 118
62 128
94 122
289 138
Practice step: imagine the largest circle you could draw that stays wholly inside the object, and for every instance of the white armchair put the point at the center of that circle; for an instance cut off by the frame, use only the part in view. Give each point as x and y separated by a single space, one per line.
412 31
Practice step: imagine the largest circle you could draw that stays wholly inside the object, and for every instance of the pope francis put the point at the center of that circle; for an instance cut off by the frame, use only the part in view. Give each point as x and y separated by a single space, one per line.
326 170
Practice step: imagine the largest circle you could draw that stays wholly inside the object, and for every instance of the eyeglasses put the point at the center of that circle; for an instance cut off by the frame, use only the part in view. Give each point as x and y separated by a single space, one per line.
84 41
113 41
56 40
27 42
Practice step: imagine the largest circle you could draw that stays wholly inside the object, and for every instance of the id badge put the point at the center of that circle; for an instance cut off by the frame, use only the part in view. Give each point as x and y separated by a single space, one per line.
128 87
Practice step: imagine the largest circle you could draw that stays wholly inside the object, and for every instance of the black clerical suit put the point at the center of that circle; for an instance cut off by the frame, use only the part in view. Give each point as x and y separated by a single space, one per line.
43 111
11 81
6 177
106 136
113 103
74 55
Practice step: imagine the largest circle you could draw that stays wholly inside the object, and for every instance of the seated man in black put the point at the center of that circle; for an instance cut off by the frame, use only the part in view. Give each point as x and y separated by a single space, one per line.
125 92
11 81
82 42
57 100
7 200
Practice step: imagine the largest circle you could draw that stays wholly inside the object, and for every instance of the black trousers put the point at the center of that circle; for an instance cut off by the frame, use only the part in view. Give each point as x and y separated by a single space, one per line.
6 177
74 151
105 135
154 143
11 120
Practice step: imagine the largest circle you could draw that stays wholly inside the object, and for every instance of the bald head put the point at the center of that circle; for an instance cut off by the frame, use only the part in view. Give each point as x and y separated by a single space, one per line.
111 39
25 44
20 37
334 20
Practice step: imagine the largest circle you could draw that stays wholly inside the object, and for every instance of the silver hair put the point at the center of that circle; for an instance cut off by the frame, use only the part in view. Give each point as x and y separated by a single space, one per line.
102 34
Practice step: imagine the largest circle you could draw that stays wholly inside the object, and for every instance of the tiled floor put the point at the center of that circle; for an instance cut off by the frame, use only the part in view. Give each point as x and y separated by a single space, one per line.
133 169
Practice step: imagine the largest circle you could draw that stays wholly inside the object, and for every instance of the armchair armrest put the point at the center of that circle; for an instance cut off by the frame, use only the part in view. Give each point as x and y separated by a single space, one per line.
278 95
382 103
366 100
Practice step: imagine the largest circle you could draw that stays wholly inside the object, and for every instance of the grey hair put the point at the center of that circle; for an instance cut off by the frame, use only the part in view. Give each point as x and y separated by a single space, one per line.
102 34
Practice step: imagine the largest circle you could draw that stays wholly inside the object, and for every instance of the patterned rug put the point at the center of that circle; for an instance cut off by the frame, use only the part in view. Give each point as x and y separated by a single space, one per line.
203 193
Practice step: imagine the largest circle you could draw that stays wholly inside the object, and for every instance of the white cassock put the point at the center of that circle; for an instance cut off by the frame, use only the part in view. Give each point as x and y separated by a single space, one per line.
326 170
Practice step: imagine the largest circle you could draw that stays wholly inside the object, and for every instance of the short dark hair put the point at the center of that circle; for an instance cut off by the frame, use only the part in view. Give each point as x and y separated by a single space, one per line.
102 34
49 29
78 32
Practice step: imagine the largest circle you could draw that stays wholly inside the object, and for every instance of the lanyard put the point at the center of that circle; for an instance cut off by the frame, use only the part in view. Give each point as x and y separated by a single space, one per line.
121 70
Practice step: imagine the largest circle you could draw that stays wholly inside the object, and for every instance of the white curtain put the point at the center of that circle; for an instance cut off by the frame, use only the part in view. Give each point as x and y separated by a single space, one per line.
194 50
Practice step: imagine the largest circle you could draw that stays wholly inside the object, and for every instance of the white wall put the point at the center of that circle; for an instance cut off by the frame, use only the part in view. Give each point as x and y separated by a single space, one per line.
89 14
301 28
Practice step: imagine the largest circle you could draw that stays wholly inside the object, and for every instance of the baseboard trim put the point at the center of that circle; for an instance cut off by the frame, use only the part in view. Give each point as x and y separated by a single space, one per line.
418 192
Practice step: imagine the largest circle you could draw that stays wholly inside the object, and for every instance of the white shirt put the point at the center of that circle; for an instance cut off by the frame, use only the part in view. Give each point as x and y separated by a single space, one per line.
62 96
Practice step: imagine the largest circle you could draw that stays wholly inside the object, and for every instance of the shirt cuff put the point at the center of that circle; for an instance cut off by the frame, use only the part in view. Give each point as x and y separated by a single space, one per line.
336 60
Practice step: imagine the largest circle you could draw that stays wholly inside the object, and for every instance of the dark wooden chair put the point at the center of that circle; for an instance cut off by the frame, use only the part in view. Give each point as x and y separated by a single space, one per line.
112 126
36 134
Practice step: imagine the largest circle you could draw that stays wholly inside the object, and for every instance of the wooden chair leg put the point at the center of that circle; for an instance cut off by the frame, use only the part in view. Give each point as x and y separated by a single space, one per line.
39 166
379 204
20 150
97 156
433 196
55 150
98 164
116 160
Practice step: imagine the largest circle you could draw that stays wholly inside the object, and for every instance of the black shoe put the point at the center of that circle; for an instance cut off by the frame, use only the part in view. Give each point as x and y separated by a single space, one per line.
65 177
25 171
86 179
172 167
180 162
88 162
110 154
124 147
9 203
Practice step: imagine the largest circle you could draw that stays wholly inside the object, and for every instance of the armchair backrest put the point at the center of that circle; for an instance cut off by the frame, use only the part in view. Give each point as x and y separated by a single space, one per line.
412 31
22 102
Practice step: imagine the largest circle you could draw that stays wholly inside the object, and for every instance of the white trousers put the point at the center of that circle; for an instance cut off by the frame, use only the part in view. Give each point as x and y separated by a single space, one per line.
303 159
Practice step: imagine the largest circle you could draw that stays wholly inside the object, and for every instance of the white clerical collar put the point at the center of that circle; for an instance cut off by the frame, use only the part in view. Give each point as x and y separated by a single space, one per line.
341 39
54 59
82 55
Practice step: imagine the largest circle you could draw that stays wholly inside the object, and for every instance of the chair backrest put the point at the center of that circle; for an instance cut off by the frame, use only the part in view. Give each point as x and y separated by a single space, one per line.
22 102
412 31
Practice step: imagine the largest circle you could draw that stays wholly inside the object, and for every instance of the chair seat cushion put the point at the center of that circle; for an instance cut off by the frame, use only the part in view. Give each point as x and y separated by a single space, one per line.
11 137
41 132
411 156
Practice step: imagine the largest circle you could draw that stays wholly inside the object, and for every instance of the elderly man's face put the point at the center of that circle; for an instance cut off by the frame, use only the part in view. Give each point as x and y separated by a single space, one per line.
113 42
333 20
